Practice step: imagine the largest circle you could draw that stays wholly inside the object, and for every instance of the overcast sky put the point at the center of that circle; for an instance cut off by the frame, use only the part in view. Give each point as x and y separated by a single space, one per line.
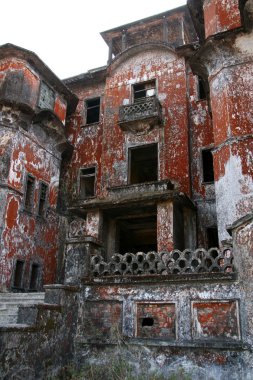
66 34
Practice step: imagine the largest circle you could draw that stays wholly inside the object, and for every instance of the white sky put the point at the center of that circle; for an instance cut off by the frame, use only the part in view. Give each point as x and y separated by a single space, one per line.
65 34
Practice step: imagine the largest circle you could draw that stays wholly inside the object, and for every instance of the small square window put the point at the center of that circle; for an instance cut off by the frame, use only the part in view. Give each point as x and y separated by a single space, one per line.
92 111
42 199
29 194
207 165
87 182
144 90
143 164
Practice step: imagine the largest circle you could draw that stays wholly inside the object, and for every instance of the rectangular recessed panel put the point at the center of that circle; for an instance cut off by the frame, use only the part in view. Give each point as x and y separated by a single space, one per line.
215 319
103 319
156 320
47 97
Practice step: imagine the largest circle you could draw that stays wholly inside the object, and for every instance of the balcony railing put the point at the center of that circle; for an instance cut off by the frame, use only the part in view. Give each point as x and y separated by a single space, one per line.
165 263
145 113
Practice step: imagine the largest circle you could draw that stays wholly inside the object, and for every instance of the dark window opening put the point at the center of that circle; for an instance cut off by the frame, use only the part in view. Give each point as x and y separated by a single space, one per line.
201 89
144 90
34 277
18 274
137 234
207 162
87 182
143 164
29 195
42 199
212 237
147 322
92 111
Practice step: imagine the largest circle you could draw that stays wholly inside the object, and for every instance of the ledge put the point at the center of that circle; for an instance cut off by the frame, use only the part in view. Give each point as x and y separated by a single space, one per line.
160 279
69 288
18 328
210 344
149 193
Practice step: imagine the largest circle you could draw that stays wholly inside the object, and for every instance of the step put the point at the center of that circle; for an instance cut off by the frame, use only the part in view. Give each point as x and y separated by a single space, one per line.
18 299
9 296
8 319
9 310
10 302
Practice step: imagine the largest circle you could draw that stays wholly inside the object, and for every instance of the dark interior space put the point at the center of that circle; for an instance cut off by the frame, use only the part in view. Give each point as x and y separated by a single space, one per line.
201 89
34 277
144 90
87 182
212 237
143 164
137 234
92 111
18 274
207 162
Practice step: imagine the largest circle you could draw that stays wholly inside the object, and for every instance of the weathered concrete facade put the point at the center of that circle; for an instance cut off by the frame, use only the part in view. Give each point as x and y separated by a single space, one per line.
152 237
32 133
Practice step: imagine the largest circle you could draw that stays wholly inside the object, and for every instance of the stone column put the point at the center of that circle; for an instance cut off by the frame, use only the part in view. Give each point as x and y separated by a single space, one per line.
165 226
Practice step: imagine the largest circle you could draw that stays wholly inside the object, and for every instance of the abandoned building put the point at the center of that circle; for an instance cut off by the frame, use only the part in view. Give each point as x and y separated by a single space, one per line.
126 200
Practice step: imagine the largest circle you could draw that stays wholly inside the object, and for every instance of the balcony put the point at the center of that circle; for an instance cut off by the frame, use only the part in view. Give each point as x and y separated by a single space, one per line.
141 116
188 265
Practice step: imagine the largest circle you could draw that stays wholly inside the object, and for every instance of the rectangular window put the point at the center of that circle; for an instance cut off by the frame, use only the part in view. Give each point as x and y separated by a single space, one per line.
87 182
42 199
29 194
207 165
212 237
143 164
34 277
144 90
201 89
18 274
92 111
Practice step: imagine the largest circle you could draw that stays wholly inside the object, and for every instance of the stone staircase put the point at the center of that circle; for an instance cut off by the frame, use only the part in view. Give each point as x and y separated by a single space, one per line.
10 302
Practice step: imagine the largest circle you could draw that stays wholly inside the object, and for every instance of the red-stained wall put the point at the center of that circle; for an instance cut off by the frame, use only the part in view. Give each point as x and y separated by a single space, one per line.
27 148
220 16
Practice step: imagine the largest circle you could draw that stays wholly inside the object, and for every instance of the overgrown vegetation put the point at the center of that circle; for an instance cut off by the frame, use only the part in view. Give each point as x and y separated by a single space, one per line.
124 362
117 369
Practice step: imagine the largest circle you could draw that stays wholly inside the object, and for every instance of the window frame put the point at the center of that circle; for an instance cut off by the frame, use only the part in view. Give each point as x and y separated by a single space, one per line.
136 100
22 274
86 108
29 207
38 278
88 175
41 184
136 147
